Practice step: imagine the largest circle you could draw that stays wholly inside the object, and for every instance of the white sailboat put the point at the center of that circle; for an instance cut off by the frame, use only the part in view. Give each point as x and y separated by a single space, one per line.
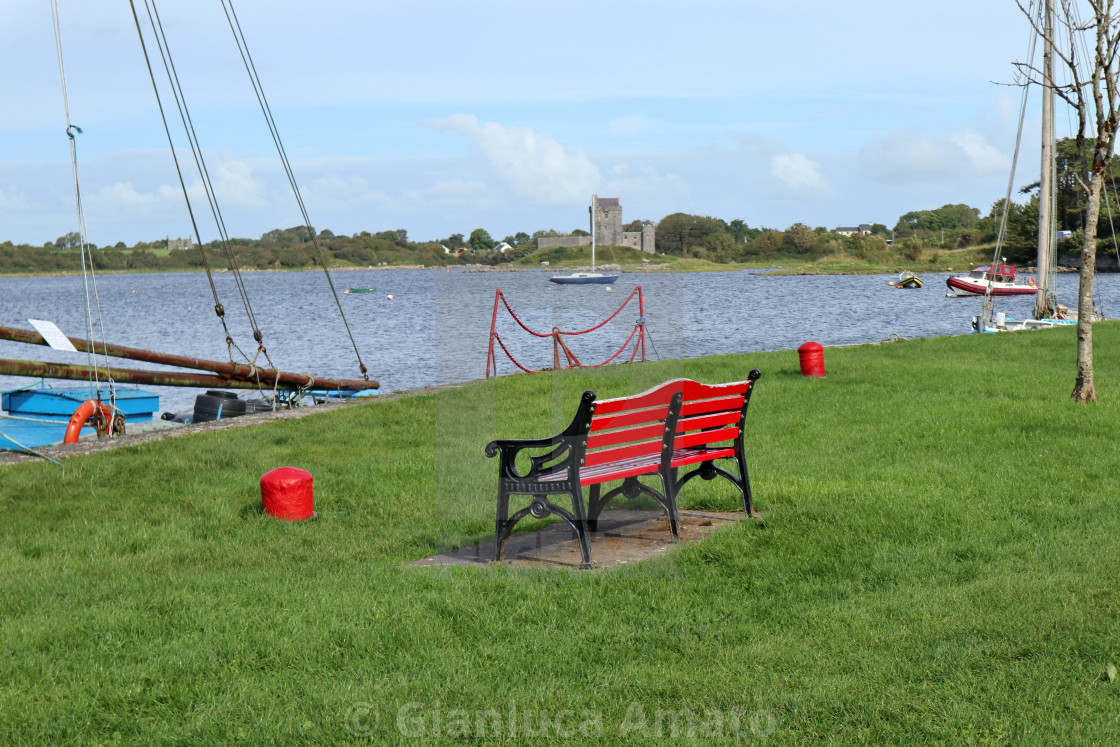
584 278
1048 313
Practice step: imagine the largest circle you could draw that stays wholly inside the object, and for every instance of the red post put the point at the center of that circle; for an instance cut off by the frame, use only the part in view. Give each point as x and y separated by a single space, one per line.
812 359
288 493
493 323
642 321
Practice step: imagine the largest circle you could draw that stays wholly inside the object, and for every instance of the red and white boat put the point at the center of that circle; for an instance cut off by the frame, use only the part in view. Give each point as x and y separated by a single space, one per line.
1001 279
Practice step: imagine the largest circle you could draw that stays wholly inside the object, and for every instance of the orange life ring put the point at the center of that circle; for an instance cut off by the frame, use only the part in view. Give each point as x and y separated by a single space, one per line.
81 415
1030 281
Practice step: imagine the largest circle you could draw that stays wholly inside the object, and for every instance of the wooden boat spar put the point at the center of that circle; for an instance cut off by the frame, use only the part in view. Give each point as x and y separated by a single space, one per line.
230 375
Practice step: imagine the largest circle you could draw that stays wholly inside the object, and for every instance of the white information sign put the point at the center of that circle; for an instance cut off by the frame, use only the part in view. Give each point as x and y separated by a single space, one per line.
53 335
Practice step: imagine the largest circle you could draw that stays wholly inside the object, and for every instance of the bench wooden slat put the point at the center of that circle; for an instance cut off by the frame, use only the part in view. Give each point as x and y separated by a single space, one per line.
708 421
619 453
684 457
658 395
690 408
630 417
646 464
683 441
694 390
612 438
643 465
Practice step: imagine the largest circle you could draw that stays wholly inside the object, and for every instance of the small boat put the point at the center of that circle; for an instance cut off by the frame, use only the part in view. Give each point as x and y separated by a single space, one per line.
1000 323
1060 316
361 290
995 280
38 415
584 278
907 279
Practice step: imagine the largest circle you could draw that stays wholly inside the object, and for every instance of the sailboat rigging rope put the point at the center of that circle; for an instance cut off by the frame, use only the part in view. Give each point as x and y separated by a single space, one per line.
1079 51
258 89
1111 228
200 163
28 449
84 248
1001 235
219 309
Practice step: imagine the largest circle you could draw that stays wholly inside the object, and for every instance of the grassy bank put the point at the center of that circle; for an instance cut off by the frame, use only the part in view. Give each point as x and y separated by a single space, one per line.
930 259
936 563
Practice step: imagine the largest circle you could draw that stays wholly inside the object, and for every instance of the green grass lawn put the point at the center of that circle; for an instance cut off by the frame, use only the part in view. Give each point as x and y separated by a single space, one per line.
936 563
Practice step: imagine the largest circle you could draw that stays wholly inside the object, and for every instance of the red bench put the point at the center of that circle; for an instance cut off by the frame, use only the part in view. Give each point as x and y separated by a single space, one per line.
655 434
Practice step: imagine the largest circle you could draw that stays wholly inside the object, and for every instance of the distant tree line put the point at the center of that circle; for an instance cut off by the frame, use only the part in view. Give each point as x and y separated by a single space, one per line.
952 226
1070 208
716 240
283 249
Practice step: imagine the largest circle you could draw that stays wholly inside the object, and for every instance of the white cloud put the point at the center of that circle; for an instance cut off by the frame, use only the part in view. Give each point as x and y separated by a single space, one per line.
909 156
13 201
798 173
233 183
984 158
629 125
456 189
329 192
643 182
534 167
752 145
125 195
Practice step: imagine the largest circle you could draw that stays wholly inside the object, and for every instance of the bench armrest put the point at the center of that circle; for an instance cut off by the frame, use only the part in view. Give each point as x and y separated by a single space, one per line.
563 446
509 449
517 444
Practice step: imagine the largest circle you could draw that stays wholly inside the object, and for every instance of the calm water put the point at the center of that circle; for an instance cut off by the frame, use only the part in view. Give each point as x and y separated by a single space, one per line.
435 329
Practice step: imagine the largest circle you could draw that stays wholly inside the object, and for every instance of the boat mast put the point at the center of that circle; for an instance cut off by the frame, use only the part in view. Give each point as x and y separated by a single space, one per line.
594 216
1045 187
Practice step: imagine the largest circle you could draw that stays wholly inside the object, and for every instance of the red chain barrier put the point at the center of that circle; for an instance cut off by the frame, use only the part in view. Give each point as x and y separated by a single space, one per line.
557 335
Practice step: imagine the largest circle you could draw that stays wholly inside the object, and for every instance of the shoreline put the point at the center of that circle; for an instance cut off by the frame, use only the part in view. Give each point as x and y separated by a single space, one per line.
662 267
94 445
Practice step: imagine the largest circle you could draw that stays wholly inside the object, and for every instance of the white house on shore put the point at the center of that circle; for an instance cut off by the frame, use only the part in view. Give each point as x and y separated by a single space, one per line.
863 229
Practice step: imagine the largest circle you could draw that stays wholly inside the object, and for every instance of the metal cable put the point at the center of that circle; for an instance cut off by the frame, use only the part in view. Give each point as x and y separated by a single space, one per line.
200 161
27 449
85 252
178 170
219 310
1001 235
258 89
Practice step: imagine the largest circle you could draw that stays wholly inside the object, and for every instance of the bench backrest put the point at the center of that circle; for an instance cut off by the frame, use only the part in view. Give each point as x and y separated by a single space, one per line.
624 428
633 427
711 415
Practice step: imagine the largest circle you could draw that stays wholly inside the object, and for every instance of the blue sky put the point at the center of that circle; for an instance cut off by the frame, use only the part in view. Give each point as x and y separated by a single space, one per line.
442 117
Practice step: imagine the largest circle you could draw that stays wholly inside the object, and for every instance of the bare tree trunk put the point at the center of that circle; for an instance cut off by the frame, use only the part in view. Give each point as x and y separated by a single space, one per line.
1083 390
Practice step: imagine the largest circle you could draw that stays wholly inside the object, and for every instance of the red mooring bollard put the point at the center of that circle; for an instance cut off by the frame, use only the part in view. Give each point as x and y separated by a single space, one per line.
286 493
812 359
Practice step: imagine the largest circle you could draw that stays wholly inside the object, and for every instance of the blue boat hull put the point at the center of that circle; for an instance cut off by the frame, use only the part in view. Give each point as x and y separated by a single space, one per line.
23 425
60 404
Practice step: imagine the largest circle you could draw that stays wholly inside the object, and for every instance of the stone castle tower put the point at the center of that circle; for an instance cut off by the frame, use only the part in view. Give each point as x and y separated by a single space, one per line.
608 220
608 226
606 223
